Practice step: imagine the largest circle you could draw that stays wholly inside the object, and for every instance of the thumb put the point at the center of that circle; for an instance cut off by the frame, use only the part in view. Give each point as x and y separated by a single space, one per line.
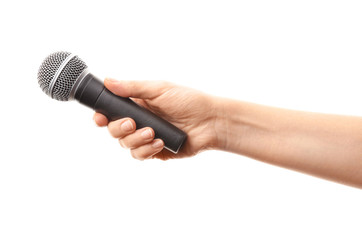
136 89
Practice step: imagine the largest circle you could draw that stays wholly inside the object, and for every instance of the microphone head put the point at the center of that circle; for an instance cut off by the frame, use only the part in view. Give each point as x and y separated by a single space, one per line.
58 74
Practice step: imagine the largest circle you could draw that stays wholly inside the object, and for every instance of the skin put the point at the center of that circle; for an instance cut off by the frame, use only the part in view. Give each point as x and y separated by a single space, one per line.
323 145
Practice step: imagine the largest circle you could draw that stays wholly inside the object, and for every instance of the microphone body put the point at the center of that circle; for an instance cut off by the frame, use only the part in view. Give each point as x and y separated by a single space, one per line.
91 92
64 76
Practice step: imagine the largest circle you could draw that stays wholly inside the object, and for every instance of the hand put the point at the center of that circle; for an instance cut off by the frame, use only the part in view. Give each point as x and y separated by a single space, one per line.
190 110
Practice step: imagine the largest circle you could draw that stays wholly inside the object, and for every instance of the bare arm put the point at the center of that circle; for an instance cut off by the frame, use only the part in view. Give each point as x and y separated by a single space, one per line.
327 146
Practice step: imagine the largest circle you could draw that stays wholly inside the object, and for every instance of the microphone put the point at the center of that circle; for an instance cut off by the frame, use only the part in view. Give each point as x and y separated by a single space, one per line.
64 76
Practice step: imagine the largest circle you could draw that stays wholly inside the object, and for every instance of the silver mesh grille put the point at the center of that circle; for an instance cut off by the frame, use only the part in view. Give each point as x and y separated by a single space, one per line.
67 77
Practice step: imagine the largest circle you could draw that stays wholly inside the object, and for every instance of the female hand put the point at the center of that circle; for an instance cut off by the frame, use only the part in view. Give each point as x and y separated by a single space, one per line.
188 109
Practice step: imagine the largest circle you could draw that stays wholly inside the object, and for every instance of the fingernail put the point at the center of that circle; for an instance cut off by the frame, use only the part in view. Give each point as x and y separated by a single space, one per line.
147 133
157 143
127 126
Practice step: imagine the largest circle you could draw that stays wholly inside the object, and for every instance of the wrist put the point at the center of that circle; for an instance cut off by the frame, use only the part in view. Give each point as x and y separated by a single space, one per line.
237 125
219 140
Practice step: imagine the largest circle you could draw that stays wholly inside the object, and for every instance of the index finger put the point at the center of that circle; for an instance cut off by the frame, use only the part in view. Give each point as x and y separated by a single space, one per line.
100 119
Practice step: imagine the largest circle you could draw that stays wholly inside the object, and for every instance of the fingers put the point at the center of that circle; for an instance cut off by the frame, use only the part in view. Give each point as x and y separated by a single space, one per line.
141 141
136 89
100 119
138 138
122 127
146 151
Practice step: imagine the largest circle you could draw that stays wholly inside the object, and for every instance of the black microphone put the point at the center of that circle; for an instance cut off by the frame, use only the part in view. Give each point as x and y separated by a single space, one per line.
64 76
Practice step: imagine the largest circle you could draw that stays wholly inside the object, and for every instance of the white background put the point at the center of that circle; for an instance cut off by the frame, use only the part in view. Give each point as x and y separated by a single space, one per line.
61 177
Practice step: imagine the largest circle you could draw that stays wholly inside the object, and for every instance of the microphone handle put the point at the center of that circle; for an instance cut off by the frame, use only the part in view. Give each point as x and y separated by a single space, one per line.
92 93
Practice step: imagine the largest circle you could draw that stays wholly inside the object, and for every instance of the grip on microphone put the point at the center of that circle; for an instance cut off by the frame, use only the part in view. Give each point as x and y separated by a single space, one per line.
92 93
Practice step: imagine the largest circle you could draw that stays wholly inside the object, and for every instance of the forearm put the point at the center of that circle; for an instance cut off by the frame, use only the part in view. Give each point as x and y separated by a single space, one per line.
327 146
